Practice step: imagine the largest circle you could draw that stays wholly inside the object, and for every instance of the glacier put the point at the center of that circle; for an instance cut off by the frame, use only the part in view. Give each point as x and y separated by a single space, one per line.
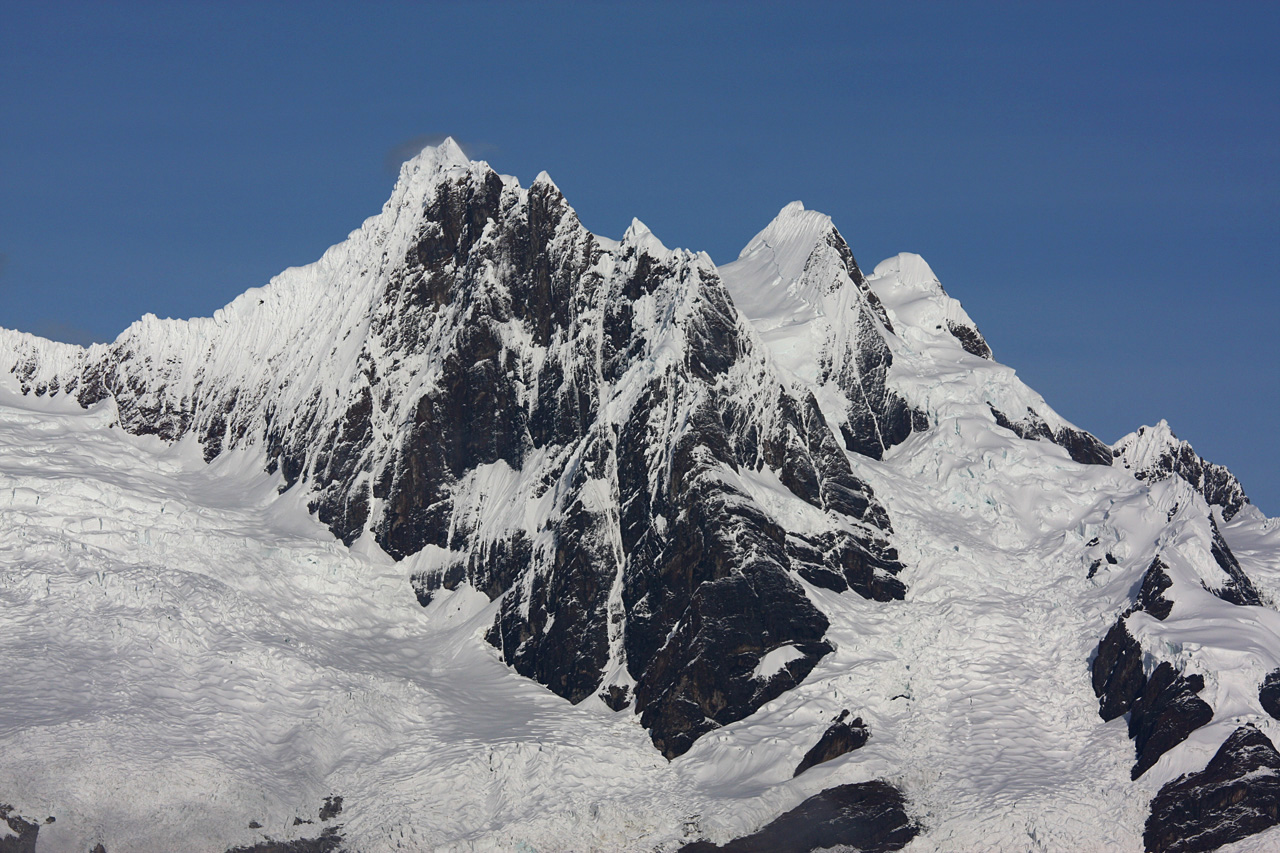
517 537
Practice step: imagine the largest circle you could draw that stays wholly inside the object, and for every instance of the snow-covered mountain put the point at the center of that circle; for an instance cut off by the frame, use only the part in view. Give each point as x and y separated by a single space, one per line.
484 532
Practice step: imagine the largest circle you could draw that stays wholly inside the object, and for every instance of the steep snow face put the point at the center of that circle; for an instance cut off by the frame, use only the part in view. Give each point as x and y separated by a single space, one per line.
271 350
799 285
885 355
782 282
944 366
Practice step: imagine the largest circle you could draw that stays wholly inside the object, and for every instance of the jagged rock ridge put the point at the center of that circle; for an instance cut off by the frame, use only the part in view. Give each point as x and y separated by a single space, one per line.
1154 453
576 426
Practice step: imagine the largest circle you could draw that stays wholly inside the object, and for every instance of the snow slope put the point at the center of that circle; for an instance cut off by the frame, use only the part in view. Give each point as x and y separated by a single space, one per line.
189 651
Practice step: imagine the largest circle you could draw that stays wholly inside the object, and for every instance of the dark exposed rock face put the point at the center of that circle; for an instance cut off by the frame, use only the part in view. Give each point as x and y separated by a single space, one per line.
1230 799
1164 714
1235 796
24 832
1118 678
1154 453
870 817
843 736
329 841
1151 596
703 574
709 596
970 338
843 562
331 808
1238 589
1163 709
568 425
1269 693
878 418
1080 445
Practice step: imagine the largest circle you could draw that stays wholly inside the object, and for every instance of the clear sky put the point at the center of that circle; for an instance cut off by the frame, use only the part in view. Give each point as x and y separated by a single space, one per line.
1099 184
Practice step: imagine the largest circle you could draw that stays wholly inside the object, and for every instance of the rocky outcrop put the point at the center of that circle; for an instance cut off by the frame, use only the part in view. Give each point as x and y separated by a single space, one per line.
1080 445
842 737
329 841
876 416
970 338
1235 796
870 816
1118 678
1154 453
25 832
1269 693
1238 589
1163 708
1164 714
1151 598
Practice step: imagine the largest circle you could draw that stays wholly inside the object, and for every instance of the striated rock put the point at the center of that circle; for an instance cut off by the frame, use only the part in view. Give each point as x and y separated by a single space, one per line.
1235 796
841 562
877 417
870 816
843 736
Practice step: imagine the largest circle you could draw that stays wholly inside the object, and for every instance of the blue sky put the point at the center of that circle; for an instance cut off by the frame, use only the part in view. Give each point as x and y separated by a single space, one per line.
1099 184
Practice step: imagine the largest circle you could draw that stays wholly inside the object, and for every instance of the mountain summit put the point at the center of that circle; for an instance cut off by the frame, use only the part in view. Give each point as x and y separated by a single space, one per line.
697 551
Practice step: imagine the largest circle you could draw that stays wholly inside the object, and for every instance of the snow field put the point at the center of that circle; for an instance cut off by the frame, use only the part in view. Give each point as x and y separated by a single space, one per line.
187 652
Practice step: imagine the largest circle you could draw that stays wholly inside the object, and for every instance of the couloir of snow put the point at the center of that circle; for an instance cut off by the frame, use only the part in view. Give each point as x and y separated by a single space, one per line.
188 650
